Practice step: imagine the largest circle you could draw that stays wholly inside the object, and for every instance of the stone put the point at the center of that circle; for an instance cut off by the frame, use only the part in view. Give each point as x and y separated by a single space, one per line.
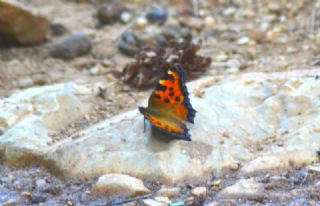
28 116
251 108
314 168
119 185
235 114
243 40
162 199
11 202
157 14
169 192
109 13
40 183
20 26
199 191
141 22
248 188
73 45
209 21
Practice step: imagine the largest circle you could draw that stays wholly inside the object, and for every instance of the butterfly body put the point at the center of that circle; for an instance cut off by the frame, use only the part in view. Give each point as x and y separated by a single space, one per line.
169 105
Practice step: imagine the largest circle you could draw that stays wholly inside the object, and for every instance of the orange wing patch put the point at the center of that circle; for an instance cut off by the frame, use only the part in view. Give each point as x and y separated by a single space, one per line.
169 104
171 96
165 124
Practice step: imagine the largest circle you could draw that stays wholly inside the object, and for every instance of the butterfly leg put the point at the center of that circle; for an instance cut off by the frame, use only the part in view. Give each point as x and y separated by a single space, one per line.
144 124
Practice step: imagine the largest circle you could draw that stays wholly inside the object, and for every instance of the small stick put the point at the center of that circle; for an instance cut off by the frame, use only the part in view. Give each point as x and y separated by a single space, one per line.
126 27
120 202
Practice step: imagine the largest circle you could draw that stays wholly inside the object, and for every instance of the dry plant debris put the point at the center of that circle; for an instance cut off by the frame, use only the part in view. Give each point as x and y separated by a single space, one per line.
152 61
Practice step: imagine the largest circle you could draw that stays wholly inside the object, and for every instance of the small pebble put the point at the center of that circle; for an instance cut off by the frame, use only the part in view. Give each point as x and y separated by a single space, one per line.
108 13
162 199
229 11
221 57
235 166
141 22
216 183
125 17
199 191
157 15
169 192
40 184
152 202
209 21
243 40
96 70
72 45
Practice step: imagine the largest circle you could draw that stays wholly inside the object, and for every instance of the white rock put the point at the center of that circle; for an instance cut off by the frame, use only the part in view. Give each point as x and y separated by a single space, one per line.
199 191
119 185
162 199
169 192
234 113
141 22
244 187
251 108
27 116
243 40
314 168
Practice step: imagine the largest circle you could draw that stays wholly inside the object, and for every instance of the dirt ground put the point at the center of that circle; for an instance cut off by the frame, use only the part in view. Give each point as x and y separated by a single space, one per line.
244 36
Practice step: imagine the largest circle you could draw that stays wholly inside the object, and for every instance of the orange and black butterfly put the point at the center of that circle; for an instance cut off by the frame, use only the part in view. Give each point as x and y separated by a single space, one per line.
169 105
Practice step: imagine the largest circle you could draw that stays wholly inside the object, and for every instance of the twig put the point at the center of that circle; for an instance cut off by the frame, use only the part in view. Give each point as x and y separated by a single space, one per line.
126 27
120 202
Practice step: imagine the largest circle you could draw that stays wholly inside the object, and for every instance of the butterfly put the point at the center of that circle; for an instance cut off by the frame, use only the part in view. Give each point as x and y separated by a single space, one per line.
169 105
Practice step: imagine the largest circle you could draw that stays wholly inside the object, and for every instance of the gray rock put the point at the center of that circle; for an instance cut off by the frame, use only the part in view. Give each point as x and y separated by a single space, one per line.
157 14
71 46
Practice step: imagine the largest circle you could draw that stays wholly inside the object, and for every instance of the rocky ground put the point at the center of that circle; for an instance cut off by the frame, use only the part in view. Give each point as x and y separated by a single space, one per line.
256 136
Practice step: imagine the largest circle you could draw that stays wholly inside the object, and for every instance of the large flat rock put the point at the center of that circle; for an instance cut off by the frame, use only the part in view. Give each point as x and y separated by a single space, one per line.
254 121
27 116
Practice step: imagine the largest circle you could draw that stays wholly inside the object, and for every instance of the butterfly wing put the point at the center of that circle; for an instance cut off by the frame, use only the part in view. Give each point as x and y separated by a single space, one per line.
166 124
171 96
